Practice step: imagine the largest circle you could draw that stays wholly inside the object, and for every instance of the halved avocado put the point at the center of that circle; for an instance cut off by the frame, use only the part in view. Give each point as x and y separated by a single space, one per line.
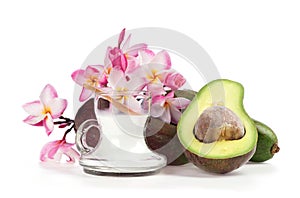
221 155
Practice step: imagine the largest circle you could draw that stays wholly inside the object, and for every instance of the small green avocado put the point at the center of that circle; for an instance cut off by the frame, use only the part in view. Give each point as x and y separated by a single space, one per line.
215 129
267 144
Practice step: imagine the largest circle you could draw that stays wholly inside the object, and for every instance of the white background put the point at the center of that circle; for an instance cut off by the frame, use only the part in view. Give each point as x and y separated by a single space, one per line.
253 42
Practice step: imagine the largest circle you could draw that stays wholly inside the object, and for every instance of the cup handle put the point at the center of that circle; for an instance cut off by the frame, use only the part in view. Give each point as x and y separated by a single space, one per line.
81 138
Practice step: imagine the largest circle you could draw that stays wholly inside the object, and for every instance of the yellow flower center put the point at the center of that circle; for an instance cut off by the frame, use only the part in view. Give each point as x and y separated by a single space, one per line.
108 70
153 77
121 98
93 81
46 110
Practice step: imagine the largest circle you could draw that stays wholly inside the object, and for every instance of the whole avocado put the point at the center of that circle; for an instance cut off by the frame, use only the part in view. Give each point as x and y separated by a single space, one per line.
267 144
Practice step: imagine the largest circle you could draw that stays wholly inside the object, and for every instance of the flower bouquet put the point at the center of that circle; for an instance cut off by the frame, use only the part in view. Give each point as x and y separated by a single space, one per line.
125 68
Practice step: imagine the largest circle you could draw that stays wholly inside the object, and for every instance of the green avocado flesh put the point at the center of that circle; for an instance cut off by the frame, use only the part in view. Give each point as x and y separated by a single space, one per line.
224 155
267 144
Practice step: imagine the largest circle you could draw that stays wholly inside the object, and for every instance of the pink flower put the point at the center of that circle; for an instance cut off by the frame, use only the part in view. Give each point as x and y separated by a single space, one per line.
155 66
123 57
167 108
121 37
174 80
43 111
93 76
156 90
53 151
131 51
118 82
116 58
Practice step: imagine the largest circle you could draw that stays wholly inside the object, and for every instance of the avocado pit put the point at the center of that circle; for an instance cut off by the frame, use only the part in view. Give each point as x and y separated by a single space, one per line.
218 123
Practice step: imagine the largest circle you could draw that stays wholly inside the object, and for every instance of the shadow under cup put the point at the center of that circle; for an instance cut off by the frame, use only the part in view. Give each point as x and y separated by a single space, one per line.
121 148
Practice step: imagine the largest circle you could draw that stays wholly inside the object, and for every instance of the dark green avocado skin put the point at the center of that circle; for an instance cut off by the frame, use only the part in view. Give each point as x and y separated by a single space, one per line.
267 144
161 138
186 93
219 166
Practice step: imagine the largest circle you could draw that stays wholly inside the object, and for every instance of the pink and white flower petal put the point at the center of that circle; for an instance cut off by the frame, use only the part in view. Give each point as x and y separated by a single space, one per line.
48 94
180 103
134 50
34 120
134 83
163 98
78 77
66 149
54 150
65 145
91 71
145 56
48 124
140 73
85 94
103 80
173 79
159 99
132 64
72 155
162 58
175 114
123 62
117 58
57 107
48 151
39 123
116 78
150 74
170 95
166 116
121 37
99 68
34 108
157 110
156 90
